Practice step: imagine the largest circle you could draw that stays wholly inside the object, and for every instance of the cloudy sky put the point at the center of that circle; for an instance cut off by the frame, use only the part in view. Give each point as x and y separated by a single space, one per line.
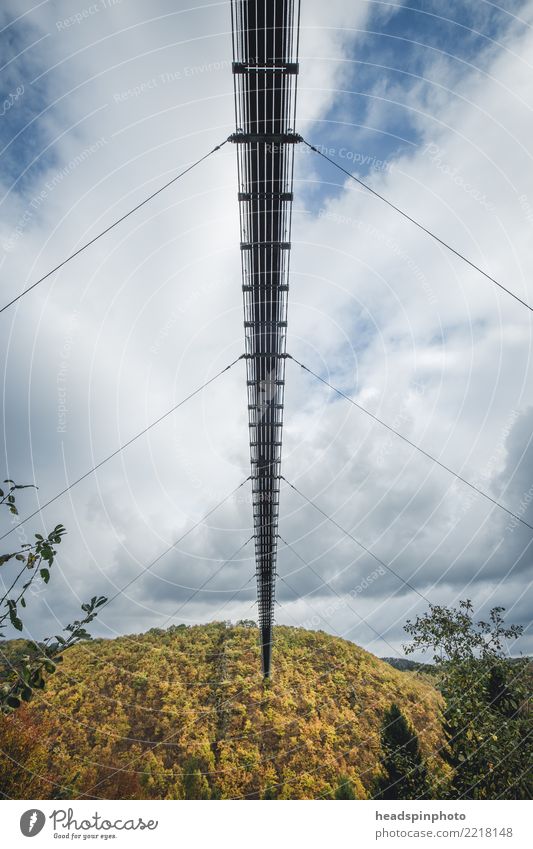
431 103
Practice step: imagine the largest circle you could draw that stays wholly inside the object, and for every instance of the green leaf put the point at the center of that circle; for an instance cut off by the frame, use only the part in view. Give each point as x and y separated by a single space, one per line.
45 575
15 621
23 602
37 680
13 701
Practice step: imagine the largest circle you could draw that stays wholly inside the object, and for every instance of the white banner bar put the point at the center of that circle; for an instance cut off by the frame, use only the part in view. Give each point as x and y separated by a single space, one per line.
240 825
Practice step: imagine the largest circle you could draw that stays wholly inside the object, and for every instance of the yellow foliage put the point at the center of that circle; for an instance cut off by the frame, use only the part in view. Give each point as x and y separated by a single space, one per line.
184 713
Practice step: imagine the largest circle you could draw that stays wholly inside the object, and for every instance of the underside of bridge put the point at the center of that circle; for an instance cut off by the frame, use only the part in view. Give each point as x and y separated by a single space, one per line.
265 67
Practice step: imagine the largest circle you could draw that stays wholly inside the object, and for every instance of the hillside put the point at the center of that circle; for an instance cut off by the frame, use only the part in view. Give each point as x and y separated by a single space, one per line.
214 730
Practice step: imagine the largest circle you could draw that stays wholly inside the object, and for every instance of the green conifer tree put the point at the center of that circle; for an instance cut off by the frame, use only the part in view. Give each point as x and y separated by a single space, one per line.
404 772
345 789
195 784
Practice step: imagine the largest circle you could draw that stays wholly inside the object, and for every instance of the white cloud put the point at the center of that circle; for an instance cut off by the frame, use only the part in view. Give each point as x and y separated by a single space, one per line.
154 309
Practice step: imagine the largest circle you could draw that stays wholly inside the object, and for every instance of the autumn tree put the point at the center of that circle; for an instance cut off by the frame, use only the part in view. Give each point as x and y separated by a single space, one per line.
486 723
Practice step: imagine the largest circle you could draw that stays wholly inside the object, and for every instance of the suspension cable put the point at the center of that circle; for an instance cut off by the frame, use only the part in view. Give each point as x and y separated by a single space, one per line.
357 542
111 226
174 544
122 447
419 225
210 578
339 595
414 445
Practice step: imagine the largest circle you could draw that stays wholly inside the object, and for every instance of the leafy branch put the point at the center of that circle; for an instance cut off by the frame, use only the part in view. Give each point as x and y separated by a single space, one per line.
18 682
28 674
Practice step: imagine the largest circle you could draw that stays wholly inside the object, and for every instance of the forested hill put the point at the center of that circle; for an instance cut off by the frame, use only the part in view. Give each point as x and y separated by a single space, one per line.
184 713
